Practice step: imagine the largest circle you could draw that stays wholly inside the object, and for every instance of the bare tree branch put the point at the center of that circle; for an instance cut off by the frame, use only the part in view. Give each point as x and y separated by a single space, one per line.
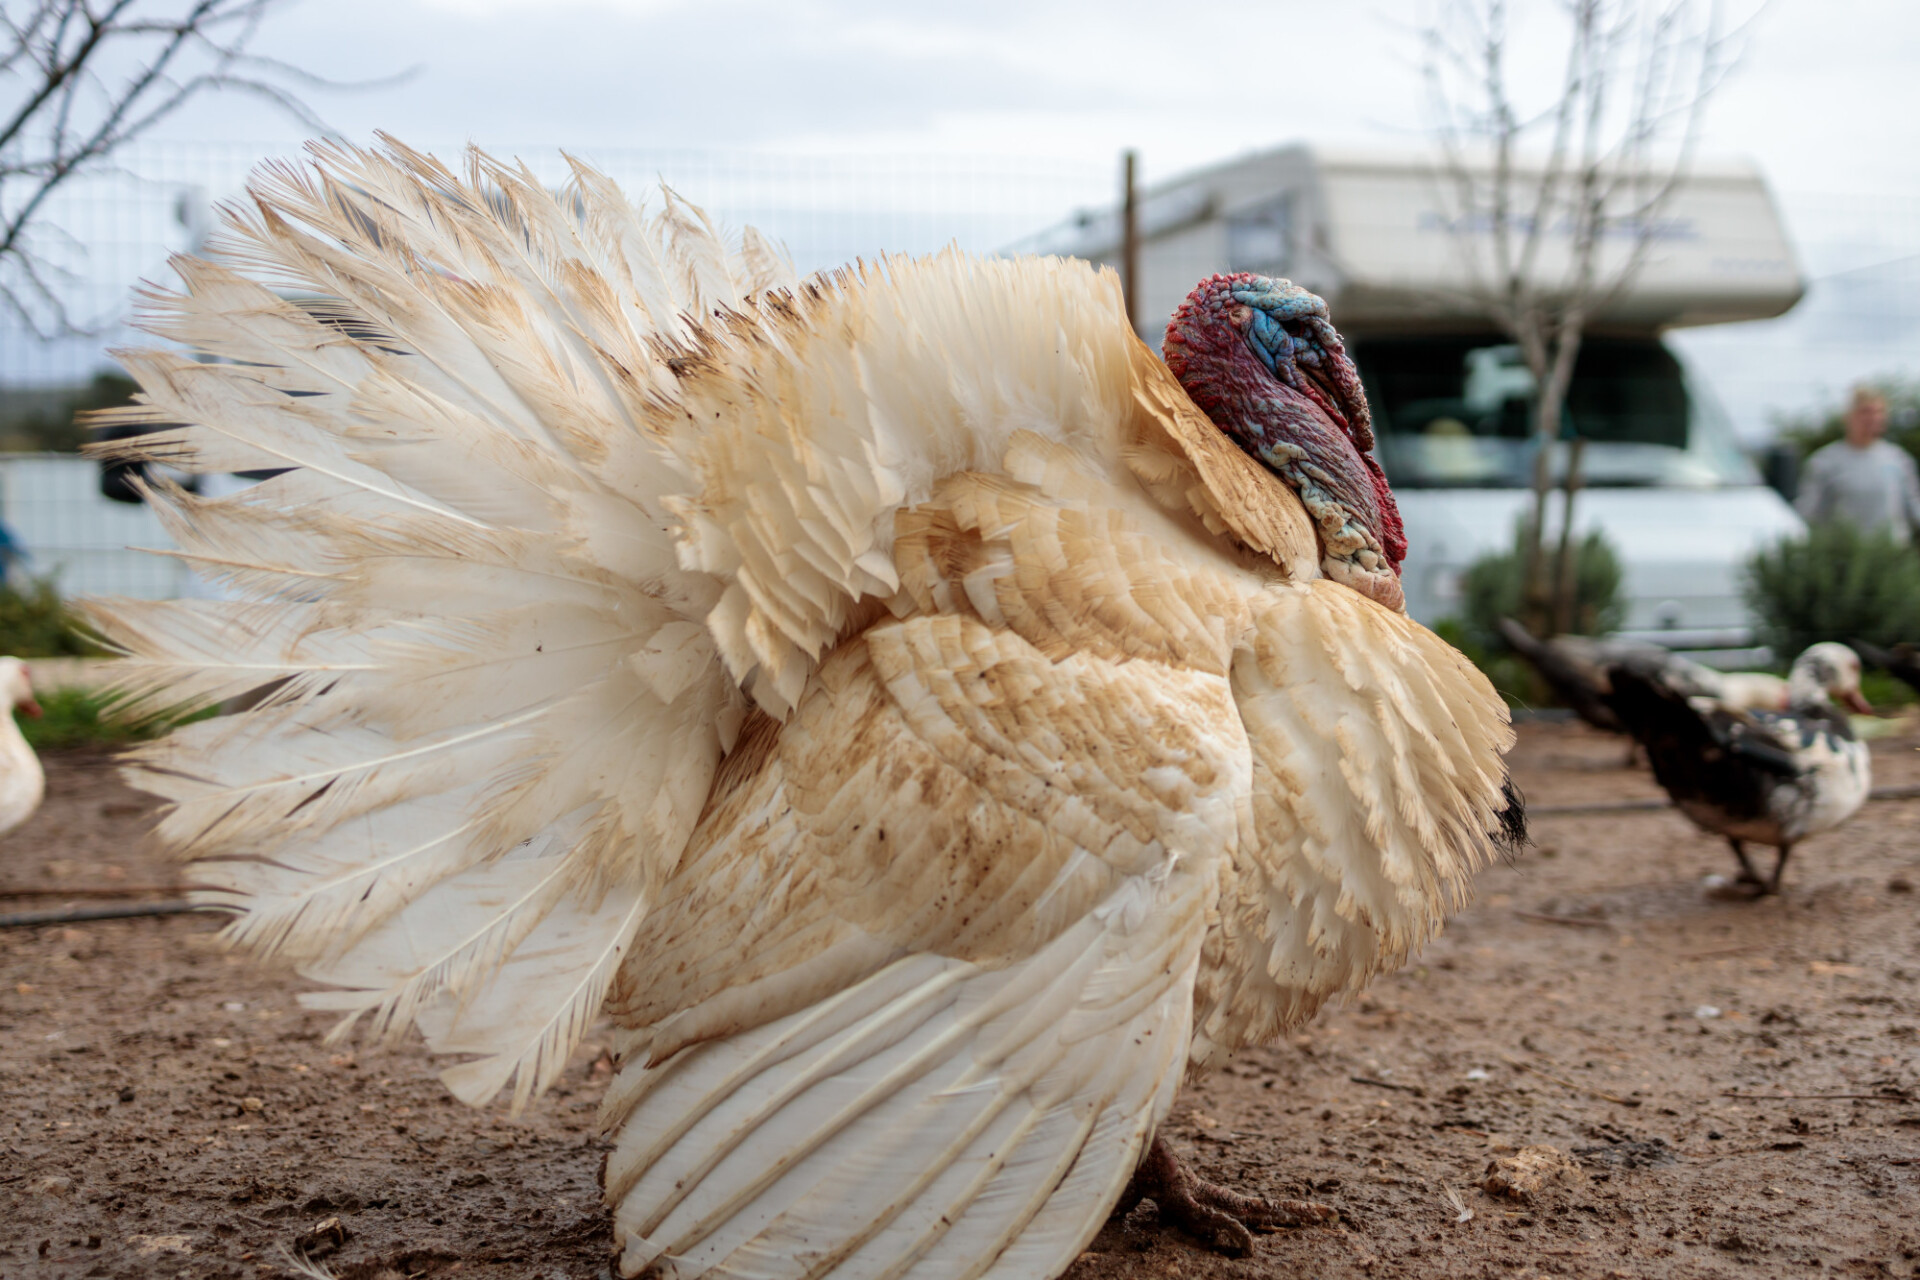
80 79
1620 134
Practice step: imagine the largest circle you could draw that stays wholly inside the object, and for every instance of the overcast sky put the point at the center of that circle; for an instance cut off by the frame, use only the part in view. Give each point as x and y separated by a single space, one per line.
1826 98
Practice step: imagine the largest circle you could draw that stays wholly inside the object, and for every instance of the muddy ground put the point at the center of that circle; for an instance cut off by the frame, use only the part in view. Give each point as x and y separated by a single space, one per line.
164 1110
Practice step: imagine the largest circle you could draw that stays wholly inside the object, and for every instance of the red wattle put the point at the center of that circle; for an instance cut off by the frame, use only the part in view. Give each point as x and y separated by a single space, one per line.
1392 533
1210 355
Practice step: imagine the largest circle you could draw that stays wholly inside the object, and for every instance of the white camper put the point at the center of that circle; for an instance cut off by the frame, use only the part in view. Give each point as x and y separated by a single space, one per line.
1370 232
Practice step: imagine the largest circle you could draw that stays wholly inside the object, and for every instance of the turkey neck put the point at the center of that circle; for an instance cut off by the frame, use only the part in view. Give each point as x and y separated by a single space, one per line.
1299 434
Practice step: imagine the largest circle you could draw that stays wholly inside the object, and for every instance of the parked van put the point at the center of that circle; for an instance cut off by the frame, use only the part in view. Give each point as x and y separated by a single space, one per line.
1369 231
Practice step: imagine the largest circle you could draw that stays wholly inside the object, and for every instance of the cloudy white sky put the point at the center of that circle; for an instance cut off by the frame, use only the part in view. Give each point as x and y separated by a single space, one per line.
983 121
1826 99
1828 96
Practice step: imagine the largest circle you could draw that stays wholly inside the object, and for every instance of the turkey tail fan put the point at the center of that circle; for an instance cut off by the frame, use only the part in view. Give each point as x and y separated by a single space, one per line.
496 709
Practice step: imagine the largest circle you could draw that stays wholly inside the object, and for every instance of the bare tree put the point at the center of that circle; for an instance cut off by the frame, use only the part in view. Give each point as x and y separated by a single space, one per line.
1555 207
80 79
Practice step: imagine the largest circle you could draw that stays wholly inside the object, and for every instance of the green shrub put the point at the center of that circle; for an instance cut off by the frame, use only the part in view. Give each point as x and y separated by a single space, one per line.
1509 674
38 422
1834 583
36 623
1493 584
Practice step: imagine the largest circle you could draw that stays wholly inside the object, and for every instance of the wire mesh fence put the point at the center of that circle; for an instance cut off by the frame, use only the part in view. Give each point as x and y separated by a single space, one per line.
105 232
87 544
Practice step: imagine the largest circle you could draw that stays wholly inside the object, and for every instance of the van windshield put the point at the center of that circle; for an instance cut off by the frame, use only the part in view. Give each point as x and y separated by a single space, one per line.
1457 412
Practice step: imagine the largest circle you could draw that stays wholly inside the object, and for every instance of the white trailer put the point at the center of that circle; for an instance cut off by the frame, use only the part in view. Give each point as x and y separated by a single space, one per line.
1371 232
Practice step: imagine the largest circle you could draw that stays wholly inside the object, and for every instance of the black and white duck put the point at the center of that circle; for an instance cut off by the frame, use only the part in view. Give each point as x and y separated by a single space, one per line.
1576 669
1770 777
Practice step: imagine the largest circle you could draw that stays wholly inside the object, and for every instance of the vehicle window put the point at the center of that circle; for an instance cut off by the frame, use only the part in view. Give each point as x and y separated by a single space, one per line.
1458 411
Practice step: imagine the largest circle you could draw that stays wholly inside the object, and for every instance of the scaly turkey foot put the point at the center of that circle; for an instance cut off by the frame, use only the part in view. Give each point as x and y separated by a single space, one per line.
1211 1213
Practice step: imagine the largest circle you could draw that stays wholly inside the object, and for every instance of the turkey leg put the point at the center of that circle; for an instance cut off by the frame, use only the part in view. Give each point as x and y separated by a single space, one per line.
1210 1212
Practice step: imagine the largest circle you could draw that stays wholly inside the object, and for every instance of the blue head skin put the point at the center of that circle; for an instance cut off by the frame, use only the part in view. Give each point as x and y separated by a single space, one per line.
1261 359
1314 351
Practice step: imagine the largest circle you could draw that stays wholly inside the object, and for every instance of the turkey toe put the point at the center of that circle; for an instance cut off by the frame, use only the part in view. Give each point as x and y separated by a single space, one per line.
1221 1218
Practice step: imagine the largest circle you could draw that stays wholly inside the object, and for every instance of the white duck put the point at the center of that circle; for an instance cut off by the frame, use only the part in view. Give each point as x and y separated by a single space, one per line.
22 781
1771 777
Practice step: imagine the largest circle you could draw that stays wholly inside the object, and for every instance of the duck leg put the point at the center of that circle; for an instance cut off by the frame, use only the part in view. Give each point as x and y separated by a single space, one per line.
1211 1213
1780 865
1747 874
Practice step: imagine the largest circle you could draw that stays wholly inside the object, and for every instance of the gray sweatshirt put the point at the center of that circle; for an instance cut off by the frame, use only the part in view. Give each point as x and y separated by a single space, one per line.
1871 487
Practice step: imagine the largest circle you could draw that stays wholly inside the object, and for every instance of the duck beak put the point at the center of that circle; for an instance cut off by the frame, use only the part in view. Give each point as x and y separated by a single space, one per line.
32 708
1857 702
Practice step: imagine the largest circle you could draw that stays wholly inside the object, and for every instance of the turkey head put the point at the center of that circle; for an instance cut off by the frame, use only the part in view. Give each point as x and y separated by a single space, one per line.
1261 359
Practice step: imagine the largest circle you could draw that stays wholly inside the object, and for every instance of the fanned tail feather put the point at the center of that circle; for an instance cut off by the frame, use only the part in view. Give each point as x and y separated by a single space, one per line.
565 486
464 595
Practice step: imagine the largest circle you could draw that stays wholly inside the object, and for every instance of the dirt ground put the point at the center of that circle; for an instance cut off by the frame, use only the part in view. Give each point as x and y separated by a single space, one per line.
1735 1081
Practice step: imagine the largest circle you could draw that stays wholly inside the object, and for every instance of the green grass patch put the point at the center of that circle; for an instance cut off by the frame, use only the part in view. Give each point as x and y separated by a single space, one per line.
75 717
1885 692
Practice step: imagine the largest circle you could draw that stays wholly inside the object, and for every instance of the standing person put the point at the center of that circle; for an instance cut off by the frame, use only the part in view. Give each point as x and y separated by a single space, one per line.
1861 478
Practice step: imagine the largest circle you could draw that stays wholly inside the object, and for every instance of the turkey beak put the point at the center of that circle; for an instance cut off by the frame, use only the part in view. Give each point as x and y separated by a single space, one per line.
1857 701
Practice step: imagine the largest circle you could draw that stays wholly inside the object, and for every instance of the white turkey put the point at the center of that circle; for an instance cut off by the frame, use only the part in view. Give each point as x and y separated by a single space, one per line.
925 729
1763 776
